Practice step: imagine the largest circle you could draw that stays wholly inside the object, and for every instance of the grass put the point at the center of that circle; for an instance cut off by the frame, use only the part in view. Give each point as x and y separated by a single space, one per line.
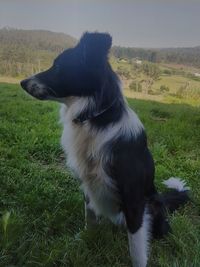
7 79
41 207
174 82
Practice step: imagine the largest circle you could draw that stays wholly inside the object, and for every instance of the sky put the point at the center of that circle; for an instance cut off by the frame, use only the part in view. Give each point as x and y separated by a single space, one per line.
134 23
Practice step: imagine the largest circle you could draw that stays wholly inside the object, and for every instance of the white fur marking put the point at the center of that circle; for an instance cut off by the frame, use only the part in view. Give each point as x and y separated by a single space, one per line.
176 183
86 151
138 243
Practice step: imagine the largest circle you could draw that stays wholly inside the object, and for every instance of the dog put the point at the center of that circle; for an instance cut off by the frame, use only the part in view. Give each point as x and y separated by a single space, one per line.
106 144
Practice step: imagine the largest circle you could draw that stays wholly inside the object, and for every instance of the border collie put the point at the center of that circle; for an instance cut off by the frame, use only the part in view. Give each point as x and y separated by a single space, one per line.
106 144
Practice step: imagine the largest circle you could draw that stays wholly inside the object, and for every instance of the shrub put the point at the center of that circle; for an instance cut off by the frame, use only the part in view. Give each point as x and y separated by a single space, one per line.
167 72
135 86
164 88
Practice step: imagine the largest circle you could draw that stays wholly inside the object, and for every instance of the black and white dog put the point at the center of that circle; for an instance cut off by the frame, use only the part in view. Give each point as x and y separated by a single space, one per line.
106 144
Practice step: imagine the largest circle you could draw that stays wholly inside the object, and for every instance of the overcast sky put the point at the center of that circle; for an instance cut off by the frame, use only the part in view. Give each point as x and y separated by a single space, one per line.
138 23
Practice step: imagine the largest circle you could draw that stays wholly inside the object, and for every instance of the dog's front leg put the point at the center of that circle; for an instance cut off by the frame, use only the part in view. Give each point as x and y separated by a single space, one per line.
90 217
138 243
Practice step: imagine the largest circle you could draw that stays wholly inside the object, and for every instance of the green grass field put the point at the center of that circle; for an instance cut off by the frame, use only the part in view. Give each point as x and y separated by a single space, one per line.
42 209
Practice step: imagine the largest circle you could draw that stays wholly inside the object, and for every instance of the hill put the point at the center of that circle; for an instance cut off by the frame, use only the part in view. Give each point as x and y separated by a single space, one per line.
147 73
24 52
36 39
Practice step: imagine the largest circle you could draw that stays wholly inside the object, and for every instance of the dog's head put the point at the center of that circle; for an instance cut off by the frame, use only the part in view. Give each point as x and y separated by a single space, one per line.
78 71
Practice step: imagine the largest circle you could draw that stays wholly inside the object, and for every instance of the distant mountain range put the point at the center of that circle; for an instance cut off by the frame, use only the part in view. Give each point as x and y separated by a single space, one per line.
23 52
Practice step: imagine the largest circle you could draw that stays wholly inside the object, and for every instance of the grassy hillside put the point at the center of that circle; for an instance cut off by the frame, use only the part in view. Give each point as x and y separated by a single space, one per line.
41 207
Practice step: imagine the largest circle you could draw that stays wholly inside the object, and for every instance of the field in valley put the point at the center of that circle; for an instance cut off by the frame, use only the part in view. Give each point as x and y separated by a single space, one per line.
169 83
42 208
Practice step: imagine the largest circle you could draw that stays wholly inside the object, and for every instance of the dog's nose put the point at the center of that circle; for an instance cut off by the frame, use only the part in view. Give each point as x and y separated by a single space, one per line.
24 83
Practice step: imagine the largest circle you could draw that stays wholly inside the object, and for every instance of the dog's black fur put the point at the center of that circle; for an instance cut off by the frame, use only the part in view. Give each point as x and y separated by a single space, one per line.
84 71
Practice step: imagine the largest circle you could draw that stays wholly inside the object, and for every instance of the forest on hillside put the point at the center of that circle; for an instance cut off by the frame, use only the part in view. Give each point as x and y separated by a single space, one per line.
24 52
187 56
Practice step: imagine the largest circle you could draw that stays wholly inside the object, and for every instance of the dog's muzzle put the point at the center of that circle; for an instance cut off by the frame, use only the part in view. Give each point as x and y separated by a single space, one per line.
34 88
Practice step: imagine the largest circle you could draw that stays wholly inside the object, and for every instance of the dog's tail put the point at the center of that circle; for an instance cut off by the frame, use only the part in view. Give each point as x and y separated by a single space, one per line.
161 204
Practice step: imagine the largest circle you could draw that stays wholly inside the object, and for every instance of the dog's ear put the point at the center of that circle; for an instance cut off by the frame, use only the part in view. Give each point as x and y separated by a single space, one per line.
95 47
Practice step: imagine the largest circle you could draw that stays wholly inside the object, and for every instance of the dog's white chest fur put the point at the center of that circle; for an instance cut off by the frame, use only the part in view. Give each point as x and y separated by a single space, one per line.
86 156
